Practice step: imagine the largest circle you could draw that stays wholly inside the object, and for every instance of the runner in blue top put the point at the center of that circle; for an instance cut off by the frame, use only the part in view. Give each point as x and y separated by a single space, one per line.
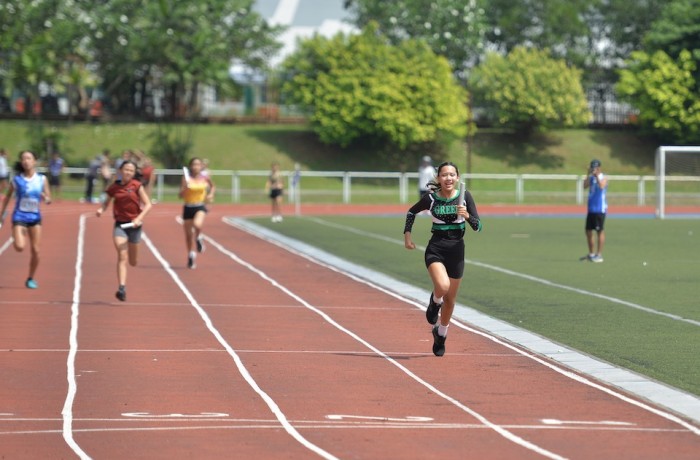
597 185
30 188
444 255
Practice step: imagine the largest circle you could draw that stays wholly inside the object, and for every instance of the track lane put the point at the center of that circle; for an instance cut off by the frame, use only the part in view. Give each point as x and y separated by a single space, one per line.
335 391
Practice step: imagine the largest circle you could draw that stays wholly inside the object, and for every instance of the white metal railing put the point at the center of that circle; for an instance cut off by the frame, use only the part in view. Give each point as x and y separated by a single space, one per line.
405 188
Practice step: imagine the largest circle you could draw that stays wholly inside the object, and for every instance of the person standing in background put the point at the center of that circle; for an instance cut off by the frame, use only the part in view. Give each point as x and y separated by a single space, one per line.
4 171
426 173
275 187
56 165
597 185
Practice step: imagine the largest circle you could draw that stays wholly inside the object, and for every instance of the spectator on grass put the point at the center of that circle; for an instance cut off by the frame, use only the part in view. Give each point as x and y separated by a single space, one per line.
56 165
426 173
597 185
444 256
30 187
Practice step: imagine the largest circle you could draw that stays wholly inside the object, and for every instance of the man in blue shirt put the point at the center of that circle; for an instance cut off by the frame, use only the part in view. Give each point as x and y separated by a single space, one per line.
597 185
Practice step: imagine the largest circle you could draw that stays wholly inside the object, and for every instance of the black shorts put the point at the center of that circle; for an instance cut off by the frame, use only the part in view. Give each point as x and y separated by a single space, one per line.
26 224
55 181
595 221
275 192
449 252
188 212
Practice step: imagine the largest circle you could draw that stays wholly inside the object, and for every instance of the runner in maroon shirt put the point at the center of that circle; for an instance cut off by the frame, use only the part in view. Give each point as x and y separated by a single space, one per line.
131 204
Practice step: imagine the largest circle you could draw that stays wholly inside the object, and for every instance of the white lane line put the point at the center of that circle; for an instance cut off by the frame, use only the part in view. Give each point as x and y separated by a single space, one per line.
497 428
681 402
516 274
6 245
67 412
239 363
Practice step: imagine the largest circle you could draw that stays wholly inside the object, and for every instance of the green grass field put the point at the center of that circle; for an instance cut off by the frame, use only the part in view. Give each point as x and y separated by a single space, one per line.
527 272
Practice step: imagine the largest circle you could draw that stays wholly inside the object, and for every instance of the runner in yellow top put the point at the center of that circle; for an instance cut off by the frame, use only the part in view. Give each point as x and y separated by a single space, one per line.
196 189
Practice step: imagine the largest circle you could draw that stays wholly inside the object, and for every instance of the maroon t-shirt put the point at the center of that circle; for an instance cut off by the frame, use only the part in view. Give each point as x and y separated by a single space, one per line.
127 203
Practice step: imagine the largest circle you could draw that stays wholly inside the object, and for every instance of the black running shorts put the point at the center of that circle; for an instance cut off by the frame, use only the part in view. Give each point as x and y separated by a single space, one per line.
448 252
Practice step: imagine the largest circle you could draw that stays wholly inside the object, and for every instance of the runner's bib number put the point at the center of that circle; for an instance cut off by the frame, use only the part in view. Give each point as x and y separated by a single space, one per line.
29 205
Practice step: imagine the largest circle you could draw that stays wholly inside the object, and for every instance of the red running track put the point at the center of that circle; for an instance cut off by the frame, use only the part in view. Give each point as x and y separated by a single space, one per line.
261 352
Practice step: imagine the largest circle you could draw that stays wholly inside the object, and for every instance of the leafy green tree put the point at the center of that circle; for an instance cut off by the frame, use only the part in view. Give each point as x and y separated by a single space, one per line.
665 92
454 29
361 87
677 29
41 42
175 46
528 90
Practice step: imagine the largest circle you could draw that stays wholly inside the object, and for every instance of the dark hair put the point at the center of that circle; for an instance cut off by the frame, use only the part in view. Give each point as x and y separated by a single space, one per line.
19 169
130 162
434 184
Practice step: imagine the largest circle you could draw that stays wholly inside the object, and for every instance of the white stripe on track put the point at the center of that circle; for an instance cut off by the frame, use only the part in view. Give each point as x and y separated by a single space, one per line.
239 363
67 412
265 234
497 428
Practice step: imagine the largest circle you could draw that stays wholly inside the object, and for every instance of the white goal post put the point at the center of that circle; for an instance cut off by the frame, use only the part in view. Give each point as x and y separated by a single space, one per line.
677 180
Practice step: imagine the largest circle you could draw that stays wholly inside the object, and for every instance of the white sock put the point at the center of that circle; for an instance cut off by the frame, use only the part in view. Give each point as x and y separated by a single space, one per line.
193 254
438 300
442 330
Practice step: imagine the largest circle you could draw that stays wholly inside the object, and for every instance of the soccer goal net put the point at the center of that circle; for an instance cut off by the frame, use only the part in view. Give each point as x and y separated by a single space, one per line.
677 181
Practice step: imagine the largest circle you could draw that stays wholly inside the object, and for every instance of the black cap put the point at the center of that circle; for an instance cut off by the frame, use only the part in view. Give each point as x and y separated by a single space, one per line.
595 164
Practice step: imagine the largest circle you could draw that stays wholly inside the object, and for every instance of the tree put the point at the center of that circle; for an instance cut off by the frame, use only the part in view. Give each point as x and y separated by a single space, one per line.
174 46
528 90
676 30
454 29
361 87
665 92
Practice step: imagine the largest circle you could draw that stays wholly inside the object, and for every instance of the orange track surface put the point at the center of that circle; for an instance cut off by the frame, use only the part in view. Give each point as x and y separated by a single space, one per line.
260 352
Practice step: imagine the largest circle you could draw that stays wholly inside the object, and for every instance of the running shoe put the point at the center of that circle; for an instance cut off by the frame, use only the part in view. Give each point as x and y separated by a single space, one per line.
190 262
31 284
433 310
200 245
597 258
438 342
587 257
121 294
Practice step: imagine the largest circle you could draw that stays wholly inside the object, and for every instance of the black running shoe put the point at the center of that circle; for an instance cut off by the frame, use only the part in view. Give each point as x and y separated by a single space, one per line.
190 262
431 314
121 294
200 245
438 343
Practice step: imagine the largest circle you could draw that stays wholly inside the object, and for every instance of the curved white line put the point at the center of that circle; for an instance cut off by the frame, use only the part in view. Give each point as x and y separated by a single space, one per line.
497 428
239 363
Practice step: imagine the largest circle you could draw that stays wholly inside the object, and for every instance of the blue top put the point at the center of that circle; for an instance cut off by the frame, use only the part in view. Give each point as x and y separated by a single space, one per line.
597 200
28 192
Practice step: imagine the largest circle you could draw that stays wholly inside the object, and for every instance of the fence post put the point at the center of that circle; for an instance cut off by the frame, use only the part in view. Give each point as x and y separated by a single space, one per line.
403 188
641 196
519 189
579 189
346 187
235 187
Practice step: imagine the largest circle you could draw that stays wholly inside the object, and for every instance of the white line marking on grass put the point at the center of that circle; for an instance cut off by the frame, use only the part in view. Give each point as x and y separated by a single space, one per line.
237 360
497 428
530 345
516 274
67 412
